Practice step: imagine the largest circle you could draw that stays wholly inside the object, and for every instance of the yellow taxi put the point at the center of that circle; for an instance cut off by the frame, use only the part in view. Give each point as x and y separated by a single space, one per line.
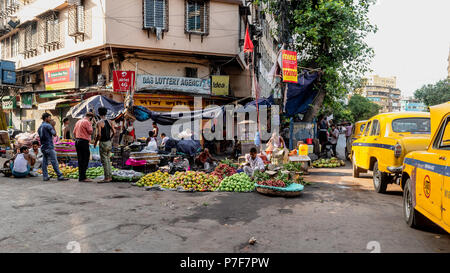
426 175
357 129
386 139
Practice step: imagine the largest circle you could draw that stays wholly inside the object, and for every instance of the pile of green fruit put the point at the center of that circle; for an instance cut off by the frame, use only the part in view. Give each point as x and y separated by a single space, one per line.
154 178
192 181
328 163
239 182
95 172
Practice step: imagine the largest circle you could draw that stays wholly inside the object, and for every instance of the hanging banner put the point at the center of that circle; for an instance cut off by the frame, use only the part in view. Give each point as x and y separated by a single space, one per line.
123 80
26 101
9 102
220 85
169 83
289 62
61 75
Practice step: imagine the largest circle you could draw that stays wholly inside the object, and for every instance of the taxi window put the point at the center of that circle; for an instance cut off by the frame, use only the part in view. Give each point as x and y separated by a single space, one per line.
375 128
445 139
412 125
366 132
361 129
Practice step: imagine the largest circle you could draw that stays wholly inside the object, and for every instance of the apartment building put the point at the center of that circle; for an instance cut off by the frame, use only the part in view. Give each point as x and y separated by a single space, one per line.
68 50
412 104
382 91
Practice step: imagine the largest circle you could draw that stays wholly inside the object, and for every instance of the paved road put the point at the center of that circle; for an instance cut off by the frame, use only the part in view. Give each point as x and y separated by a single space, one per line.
335 214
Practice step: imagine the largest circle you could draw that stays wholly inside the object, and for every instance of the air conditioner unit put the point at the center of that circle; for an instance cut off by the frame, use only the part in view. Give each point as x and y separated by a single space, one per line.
30 78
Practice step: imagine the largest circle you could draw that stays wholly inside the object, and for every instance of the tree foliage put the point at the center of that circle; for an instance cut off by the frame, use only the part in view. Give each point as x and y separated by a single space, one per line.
362 108
329 35
432 94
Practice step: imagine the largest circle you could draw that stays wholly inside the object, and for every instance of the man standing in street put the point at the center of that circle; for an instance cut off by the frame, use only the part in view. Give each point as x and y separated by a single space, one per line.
82 133
105 133
334 138
46 133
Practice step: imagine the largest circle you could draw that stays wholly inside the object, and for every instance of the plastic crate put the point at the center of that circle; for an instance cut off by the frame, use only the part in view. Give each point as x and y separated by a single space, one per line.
8 77
7 65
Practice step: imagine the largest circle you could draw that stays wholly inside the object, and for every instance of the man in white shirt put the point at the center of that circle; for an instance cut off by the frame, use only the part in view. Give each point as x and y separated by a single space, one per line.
164 140
36 154
21 165
254 162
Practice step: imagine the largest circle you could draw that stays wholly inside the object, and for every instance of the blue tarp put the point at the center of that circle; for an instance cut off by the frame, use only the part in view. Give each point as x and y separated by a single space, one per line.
142 114
300 95
251 106
95 102
189 146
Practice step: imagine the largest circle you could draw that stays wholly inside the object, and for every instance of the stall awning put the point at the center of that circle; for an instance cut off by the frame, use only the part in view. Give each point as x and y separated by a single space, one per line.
51 105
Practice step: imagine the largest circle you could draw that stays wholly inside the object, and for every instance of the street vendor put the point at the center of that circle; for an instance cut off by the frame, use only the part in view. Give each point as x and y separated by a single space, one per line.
164 140
66 129
130 132
21 164
253 163
204 159
275 142
152 146
36 155
155 130
105 133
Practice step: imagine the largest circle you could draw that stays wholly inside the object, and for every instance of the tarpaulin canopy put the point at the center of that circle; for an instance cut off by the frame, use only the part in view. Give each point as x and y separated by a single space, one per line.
95 102
300 95
142 114
251 106
51 105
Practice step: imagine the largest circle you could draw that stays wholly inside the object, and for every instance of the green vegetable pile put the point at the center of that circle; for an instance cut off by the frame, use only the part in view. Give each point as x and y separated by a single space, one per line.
328 163
239 182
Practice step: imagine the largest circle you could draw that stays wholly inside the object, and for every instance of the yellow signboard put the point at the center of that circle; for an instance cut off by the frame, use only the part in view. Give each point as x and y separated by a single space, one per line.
61 75
220 85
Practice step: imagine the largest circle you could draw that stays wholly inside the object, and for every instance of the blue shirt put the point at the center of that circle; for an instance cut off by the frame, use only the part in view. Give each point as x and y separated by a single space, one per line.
46 133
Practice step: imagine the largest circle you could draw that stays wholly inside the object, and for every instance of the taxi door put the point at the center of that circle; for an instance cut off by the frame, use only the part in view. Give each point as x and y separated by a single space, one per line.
374 138
445 157
430 176
362 150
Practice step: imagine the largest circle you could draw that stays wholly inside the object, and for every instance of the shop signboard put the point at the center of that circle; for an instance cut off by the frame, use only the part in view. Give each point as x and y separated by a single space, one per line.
289 62
61 75
169 83
9 102
26 101
220 85
123 81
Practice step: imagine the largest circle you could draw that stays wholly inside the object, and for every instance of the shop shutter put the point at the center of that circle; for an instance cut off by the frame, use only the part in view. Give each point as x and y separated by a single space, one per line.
155 14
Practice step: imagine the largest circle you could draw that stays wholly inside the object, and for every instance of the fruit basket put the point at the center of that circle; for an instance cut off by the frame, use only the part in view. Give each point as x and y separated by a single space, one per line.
292 190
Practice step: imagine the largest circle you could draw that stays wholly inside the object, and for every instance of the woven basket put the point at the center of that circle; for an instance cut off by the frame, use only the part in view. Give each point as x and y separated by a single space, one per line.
278 193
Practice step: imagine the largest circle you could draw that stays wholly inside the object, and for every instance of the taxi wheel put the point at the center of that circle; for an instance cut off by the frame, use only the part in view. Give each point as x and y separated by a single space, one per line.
380 179
355 168
410 214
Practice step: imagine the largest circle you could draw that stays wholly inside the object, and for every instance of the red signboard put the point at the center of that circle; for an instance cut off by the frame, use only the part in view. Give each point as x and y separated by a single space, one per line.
123 81
289 59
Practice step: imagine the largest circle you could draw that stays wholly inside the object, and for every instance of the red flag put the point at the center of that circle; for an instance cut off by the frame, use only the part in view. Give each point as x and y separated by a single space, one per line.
248 45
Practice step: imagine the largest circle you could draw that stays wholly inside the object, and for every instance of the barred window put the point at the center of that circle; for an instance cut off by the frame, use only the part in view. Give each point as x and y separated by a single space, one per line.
155 14
76 20
197 17
51 29
14 45
31 37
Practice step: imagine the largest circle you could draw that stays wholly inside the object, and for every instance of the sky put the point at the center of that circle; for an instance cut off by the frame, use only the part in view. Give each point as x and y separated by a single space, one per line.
412 42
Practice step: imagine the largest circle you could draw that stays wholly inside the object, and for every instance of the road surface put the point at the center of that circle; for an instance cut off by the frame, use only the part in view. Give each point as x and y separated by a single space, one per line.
336 213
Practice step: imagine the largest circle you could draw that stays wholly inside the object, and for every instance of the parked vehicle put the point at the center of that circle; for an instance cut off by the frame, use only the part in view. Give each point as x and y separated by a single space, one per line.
386 139
357 130
426 175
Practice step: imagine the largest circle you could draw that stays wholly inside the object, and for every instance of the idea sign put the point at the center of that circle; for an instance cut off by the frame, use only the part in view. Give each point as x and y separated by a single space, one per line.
123 80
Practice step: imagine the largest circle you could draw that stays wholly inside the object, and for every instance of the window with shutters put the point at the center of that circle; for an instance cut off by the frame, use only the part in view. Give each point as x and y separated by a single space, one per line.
14 45
197 17
76 22
49 31
155 15
30 40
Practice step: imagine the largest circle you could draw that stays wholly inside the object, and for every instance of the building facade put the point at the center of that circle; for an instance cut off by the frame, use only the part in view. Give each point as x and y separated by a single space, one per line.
69 50
412 104
382 91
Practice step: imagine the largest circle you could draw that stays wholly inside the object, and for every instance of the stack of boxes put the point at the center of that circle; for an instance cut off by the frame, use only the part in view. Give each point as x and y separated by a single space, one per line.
7 72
